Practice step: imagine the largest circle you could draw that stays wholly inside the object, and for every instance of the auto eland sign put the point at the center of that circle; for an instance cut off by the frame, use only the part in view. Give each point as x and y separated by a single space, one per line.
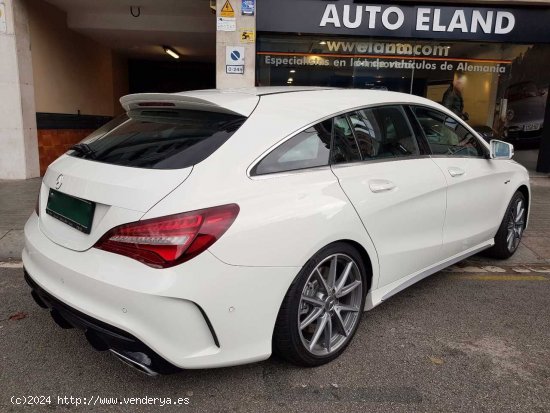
348 17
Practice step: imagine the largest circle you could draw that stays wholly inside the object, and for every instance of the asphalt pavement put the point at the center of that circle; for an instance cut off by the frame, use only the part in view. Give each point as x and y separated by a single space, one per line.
463 340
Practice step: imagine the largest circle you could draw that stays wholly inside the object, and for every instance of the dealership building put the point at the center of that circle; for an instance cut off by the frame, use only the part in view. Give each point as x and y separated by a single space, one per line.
65 63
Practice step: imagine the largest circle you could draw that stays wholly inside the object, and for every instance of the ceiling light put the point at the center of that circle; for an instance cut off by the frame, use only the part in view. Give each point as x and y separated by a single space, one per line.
171 52
292 70
322 42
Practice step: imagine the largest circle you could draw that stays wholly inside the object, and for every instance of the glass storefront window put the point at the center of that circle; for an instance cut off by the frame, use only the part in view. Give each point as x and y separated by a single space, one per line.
496 86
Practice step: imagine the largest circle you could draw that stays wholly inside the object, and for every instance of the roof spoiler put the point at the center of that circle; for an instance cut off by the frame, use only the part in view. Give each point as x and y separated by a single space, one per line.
242 106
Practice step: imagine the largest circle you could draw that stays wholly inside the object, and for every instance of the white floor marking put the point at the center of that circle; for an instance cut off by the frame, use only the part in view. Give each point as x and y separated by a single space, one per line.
11 264
518 269
492 268
542 270
472 269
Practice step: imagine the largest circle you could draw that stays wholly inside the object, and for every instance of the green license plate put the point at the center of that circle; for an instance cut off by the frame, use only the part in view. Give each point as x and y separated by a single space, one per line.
76 212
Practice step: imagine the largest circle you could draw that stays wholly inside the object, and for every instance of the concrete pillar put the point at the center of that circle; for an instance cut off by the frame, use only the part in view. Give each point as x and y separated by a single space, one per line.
233 38
18 141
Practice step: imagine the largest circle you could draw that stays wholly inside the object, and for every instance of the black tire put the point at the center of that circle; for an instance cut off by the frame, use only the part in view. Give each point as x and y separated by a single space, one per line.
501 248
287 342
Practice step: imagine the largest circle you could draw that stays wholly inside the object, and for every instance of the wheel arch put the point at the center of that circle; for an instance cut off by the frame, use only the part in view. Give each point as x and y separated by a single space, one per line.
527 194
365 257
525 191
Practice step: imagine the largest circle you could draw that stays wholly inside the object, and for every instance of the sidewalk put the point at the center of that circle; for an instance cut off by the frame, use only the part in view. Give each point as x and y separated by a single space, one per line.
18 198
17 201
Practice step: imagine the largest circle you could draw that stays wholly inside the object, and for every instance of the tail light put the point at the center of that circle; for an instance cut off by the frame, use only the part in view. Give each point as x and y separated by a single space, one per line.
168 241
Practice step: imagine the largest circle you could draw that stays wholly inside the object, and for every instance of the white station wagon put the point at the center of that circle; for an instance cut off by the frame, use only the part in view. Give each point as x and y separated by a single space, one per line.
212 228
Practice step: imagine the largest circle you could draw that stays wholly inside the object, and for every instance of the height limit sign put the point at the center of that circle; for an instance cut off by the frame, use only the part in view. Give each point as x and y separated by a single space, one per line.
234 60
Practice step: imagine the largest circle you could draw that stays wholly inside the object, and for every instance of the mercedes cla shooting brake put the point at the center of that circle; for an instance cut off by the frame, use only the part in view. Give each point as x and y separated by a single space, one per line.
212 228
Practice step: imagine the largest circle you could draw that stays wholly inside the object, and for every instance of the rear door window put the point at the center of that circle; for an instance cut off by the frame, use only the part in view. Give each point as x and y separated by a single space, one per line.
160 139
383 132
344 145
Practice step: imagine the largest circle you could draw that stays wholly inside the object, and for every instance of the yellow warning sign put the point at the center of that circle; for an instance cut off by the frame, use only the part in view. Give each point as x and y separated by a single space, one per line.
247 36
227 10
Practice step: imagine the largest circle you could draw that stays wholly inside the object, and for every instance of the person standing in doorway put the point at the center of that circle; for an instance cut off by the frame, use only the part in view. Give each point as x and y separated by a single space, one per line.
452 98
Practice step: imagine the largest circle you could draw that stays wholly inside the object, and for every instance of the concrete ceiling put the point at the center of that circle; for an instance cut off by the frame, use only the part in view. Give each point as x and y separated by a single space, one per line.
188 26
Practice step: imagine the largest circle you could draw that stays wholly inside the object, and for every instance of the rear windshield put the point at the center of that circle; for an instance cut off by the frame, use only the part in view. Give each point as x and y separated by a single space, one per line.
159 139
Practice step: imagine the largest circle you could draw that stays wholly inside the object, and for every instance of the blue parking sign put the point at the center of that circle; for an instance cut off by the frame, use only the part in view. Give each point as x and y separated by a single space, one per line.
247 7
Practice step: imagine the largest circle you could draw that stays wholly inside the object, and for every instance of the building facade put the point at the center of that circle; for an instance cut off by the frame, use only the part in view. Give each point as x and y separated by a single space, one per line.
65 64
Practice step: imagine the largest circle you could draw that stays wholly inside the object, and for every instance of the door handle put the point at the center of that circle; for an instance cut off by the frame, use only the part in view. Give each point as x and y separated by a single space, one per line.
456 171
381 185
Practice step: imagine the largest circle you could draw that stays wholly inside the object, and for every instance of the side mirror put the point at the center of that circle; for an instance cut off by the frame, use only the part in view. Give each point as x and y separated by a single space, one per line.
501 150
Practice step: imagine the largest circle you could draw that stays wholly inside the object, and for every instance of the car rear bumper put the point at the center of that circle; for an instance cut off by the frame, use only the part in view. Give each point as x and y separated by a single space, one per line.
102 336
201 314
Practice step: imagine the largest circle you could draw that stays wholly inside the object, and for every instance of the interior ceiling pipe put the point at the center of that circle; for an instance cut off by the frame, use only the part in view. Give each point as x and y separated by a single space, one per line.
133 11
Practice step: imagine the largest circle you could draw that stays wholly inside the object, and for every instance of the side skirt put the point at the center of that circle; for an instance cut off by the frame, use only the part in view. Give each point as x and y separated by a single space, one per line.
379 295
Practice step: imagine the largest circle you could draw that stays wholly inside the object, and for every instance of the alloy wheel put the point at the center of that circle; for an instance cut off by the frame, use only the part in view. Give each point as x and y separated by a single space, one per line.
516 225
330 303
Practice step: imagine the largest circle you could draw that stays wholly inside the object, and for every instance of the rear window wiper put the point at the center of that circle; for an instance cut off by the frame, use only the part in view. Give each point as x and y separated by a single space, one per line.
84 150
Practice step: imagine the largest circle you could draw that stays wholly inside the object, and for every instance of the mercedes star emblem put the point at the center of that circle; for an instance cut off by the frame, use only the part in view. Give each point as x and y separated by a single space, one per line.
59 181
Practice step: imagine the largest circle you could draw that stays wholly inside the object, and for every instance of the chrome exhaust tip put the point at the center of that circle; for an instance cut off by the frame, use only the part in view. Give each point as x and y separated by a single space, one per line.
137 360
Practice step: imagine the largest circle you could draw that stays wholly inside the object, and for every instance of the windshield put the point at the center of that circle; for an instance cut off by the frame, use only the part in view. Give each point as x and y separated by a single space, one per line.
159 139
